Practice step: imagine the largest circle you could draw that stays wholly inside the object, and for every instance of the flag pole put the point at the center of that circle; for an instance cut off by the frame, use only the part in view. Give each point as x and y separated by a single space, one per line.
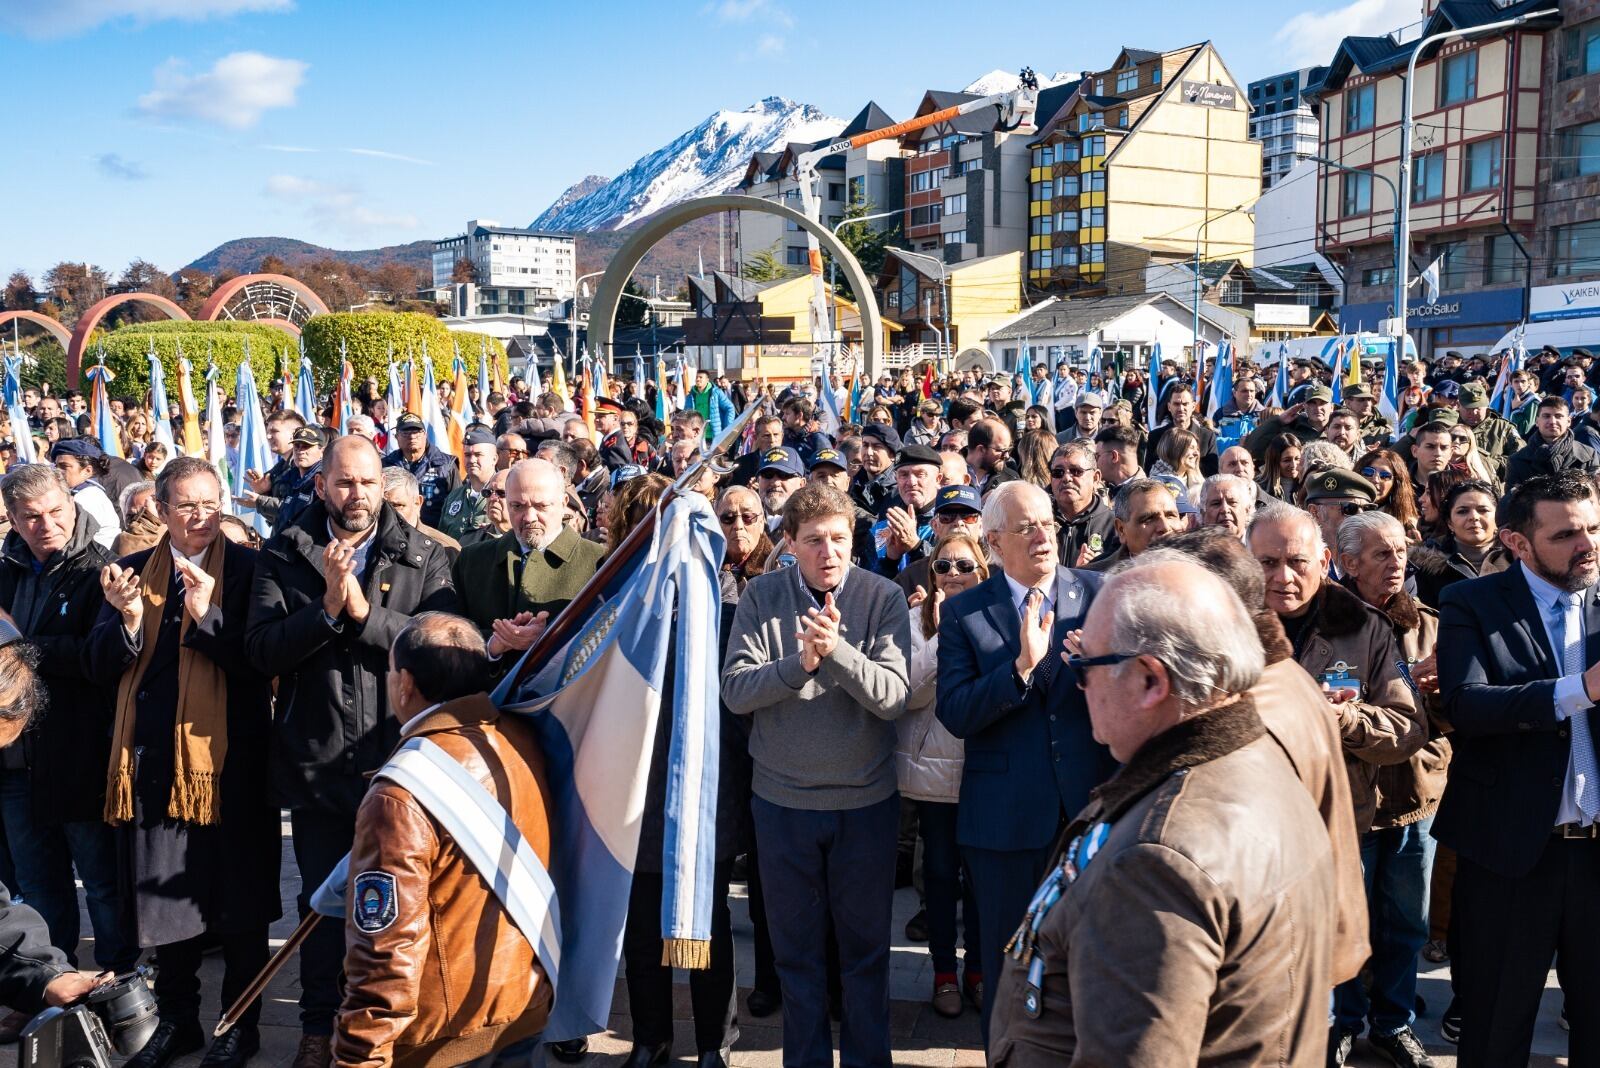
258 985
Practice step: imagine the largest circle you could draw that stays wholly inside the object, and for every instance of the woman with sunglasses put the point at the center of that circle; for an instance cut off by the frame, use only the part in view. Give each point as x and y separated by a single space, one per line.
928 762
1470 545
1280 470
1387 472
1464 453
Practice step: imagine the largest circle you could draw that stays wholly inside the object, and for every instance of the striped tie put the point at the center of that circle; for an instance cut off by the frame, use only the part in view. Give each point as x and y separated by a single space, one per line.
1583 756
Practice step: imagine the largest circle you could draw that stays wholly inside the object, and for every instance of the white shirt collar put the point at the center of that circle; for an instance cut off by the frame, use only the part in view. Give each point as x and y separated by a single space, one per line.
1546 594
1019 591
195 559
411 723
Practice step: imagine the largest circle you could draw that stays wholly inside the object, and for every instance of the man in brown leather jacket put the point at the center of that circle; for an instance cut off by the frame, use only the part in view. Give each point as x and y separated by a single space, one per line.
437 973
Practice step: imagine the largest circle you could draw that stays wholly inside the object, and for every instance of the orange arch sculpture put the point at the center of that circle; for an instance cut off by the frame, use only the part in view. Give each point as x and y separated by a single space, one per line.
51 326
218 301
92 317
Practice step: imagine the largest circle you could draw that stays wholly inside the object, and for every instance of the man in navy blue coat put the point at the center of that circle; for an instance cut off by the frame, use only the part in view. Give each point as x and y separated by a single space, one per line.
1031 757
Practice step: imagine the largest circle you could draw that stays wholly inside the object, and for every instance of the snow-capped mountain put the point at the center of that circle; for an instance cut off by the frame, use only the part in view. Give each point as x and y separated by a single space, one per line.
1003 81
710 158
575 192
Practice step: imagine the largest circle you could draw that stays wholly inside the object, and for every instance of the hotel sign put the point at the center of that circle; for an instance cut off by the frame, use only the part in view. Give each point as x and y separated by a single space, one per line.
1576 301
1210 95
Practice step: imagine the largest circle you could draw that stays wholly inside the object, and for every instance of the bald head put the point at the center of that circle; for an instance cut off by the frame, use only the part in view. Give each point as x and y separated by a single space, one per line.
536 497
1236 460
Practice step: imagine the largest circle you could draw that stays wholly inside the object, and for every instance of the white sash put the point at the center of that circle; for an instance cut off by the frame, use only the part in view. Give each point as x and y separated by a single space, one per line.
483 831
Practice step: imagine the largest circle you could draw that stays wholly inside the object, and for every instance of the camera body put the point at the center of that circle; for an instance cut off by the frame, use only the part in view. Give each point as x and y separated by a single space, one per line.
116 1018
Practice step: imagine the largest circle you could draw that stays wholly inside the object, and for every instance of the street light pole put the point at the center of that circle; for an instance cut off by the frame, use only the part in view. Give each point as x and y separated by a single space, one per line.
1403 207
944 292
572 320
1399 338
1197 238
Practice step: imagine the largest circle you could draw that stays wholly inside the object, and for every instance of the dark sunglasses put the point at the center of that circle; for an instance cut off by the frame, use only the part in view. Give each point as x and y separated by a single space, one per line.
498 495
1074 472
960 567
1373 472
1080 665
1352 508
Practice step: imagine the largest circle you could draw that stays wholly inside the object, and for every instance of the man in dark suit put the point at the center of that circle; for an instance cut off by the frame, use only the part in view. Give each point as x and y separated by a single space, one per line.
1031 757
512 586
1519 667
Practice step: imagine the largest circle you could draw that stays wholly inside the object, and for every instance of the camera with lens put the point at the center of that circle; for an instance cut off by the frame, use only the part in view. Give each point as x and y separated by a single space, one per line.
117 1017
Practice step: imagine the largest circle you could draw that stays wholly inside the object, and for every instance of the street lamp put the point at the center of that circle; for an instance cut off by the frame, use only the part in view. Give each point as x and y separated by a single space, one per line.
1399 255
1198 234
944 291
1403 208
833 268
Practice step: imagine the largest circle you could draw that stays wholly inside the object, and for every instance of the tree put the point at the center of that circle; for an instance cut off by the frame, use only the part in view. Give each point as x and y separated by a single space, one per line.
75 286
632 312
20 294
866 243
463 271
398 280
194 286
765 266
271 264
341 285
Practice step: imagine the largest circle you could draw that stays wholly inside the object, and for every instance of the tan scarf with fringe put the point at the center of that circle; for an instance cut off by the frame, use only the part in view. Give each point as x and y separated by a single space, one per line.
200 737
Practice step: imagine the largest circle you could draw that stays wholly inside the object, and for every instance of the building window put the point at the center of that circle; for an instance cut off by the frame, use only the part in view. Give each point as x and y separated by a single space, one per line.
1067 152
955 205
1067 185
1378 276
835 190
1044 156
1067 256
1094 146
1580 50
1045 190
1427 177
1127 80
1255 92
1360 106
1288 85
1067 222
1575 249
1480 166
1042 225
927 215
1456 271
858 190
956 237
1095 181
1041 259
1307 293
1095 253
1231 292
1458 78
1155 76
1099 87
1091 217
1578 150
1503 260
1355 194
795 257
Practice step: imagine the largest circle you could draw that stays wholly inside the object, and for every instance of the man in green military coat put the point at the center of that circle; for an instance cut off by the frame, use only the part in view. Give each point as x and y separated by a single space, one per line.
516 583
465 508
1496 435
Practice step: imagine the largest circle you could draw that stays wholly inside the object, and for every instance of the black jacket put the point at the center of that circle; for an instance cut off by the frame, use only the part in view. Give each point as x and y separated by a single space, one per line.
1566 453
27 959
1094 527
1437 564
1205 434
69 745
332 723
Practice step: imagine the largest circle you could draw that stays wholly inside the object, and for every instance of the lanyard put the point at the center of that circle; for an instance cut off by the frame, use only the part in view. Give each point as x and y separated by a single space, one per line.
1024 943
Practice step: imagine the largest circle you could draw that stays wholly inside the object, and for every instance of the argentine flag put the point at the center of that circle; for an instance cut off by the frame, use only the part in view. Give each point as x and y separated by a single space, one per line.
159 412
21 435
254 452
1389 402
1280 385
1221 380
832 415
1152 388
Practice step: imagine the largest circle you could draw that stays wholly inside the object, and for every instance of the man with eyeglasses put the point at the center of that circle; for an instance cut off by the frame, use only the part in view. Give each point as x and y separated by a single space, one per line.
508 449
955 508
1088 529
192 809
1031 758
497 517
988 448
779 476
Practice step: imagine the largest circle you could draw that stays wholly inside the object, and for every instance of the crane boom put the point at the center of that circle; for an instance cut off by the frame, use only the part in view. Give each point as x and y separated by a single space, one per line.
1016 109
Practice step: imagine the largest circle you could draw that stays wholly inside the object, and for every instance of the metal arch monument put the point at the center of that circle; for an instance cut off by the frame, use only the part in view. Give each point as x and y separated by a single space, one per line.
603 313
273 299
97 311
53 327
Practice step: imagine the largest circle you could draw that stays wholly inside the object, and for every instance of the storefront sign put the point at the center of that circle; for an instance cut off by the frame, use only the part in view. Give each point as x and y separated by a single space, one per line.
1456 309
1283 315
1576 301
1210 95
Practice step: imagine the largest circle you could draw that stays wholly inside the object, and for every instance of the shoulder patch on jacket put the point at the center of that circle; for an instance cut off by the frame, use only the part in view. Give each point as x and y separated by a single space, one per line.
374 901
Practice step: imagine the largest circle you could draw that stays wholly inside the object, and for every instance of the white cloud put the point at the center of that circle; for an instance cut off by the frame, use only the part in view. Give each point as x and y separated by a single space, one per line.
337 207
62 18
1311 37
769 44
377 153
114 166
287 148
235 92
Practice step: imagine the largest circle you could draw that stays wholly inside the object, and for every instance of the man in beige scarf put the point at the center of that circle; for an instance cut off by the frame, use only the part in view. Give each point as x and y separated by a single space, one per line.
186 785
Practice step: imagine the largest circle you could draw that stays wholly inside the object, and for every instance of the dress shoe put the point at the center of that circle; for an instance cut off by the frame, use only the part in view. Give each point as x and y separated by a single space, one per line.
717 1058
648 1056
233 1049
1402 1049
917 927
764 1002
947 1000
316 1051
173 1039
972 990
569 1052
1339 1043
1450 1022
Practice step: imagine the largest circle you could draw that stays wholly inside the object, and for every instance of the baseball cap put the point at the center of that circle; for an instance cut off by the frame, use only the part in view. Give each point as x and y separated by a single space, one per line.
1360 392
958 499
917 454
409 421
624 473
782 459
830 458
1318 393
306 435
1088 398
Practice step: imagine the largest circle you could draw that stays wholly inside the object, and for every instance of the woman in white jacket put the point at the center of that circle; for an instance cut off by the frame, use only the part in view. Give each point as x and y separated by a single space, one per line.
928 762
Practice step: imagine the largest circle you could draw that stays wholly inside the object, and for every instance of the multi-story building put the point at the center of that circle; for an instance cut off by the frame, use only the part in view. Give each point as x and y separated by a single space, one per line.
935 301
1476 173
516 271
1149 160
1284 119
868 176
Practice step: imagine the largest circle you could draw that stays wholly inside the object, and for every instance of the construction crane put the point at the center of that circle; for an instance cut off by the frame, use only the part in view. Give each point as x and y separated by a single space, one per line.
1015 109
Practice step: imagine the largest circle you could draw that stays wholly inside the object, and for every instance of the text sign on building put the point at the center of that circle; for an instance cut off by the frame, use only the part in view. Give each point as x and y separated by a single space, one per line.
1283 315
1576 301
1210 95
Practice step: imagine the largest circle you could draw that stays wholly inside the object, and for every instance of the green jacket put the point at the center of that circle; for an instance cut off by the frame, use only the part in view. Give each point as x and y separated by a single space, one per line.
1496 436
465 510
484 575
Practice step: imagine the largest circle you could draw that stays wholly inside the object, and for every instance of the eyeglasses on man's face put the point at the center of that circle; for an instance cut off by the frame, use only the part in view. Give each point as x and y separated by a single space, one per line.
1080 665
1029 529
749 519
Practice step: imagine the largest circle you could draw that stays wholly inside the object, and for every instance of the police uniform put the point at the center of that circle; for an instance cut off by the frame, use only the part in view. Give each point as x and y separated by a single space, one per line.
437 472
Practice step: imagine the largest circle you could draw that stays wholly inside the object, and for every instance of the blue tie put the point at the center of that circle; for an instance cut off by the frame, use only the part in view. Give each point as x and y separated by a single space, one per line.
1583 757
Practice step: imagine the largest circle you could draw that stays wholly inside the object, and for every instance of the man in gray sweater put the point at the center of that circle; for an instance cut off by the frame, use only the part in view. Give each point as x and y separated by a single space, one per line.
818 658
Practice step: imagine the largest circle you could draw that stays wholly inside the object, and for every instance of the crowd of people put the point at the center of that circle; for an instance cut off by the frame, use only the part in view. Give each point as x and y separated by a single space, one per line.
1309 688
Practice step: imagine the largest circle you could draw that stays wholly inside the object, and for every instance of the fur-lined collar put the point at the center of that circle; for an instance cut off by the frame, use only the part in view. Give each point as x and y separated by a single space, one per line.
1432 558
1195 741
1274 642
1403 611
1338 612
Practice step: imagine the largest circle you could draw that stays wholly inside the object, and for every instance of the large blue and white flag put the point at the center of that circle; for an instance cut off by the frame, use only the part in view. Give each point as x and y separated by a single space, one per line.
305 393
162 431
829 412
1221 380
1152 389
433 419
594 705
21 435
1280 385
1389 402
255 454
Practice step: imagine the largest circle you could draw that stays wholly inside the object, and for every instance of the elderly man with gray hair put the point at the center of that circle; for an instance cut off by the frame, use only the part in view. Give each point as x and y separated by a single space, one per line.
1227 501
1199 879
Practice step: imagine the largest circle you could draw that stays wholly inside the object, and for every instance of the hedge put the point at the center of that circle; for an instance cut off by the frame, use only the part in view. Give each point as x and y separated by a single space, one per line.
369 337
126 346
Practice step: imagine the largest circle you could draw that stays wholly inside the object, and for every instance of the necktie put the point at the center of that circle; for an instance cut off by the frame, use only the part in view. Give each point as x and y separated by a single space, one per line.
1583 756
1044 671
1029 599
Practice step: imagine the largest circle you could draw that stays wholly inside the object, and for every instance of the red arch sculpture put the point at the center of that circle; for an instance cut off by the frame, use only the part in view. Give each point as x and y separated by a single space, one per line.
92 317
51 326
231 288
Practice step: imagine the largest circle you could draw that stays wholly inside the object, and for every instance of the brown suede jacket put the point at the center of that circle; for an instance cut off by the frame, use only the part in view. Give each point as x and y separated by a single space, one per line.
436 972
1411 791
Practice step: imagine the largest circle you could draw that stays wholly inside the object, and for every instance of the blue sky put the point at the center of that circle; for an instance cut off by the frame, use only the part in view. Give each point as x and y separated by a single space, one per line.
164 127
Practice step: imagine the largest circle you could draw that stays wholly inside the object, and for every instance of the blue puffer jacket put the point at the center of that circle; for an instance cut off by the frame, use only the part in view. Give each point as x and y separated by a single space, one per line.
714 404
